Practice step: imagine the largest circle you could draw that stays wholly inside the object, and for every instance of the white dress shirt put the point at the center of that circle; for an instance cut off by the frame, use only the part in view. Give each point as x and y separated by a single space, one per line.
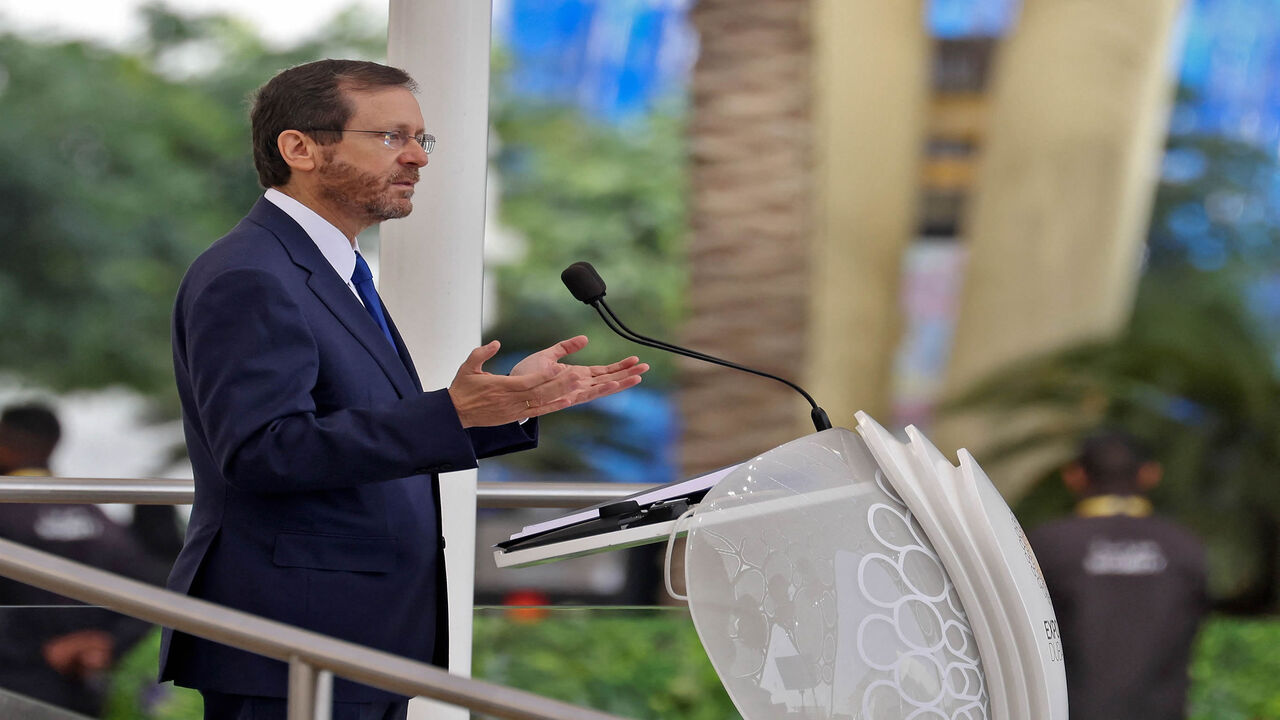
335 246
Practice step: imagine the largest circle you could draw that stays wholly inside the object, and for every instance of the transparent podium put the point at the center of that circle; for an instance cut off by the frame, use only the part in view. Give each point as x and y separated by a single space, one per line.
850 575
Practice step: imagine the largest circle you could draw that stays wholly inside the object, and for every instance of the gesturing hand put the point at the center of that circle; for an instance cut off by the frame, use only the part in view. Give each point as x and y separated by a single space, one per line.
80 653
537 385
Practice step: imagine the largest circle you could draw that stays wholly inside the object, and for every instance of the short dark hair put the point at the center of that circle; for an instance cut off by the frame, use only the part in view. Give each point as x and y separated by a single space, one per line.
307 97
34 424
1111 460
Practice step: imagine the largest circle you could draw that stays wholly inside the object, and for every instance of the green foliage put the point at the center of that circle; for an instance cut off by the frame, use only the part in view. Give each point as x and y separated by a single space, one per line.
104 199
574 190
1214 206
636 664
121 166
134 694
1235 670
650 664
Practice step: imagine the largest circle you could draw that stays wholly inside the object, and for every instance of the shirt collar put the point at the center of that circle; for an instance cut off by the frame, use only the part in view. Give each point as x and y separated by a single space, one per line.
1110 505
335 246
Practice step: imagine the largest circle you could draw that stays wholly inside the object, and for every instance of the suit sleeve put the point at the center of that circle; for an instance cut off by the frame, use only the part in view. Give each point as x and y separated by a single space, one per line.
253 364
503 439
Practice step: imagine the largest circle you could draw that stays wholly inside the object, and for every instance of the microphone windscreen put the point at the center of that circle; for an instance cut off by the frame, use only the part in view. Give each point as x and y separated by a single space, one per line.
583 281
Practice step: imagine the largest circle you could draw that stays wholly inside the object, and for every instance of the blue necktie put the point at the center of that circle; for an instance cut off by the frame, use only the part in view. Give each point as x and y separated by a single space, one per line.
362 278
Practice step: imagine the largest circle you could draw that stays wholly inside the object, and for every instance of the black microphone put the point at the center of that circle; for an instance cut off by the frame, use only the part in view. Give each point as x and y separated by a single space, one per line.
587 285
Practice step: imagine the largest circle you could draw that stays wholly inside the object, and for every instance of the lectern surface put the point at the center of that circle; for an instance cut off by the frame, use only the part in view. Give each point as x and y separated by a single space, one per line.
848 576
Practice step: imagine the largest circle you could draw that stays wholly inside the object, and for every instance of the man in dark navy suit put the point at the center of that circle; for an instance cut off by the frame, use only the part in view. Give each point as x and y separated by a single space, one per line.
316 452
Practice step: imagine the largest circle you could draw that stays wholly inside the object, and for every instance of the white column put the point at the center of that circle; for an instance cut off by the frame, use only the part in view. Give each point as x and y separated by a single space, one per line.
432 263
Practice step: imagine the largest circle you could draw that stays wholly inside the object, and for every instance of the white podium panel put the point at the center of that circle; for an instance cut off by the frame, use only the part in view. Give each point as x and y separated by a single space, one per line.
817 594
992 566
847 576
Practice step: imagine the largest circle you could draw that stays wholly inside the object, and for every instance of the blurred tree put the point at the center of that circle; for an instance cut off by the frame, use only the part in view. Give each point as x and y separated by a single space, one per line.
121 167
1219 198
1218 204
124 165
575 188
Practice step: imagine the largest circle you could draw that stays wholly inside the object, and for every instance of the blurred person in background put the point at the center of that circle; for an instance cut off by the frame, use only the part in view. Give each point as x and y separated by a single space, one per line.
60 655
1128 587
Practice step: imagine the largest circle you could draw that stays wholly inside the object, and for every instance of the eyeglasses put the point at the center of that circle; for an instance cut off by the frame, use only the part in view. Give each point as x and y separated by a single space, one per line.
395 139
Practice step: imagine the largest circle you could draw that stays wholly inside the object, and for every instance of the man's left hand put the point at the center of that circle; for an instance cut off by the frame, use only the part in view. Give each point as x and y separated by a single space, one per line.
598 380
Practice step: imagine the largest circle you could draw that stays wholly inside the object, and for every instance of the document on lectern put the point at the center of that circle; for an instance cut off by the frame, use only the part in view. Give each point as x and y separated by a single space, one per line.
659 504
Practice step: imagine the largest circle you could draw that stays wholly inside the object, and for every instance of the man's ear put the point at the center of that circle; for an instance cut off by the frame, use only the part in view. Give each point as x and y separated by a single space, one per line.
1074 477
299 151
1149 475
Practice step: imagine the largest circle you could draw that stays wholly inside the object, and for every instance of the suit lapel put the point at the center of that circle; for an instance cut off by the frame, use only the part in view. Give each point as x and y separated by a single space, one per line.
337 297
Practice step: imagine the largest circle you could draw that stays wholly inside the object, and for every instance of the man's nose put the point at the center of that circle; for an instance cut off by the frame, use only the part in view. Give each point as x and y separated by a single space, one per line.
414 155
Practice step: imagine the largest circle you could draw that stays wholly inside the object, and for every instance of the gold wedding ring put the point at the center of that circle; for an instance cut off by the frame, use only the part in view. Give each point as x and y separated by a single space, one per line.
528 405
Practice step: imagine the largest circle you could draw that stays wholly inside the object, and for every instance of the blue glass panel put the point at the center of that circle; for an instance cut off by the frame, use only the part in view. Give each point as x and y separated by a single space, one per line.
971 18
612 58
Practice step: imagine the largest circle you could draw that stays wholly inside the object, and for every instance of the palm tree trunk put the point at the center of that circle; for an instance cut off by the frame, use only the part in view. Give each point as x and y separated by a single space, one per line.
750 141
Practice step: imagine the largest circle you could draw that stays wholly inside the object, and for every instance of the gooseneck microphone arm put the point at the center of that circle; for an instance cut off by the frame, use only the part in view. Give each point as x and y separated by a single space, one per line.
587 285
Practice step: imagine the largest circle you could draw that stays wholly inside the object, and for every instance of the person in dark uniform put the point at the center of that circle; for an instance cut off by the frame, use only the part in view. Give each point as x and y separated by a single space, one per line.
1128 587
60 655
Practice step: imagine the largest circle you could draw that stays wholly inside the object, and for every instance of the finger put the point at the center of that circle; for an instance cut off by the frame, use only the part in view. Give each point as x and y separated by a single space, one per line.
634 370
477 358
569 380
567 347
607 388
614 386
620 365
529 381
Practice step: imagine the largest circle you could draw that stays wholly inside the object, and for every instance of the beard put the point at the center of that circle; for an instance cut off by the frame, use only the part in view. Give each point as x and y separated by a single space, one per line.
363 194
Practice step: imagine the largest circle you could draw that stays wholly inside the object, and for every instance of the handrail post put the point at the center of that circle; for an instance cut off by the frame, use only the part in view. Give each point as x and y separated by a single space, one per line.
302 690
324 695
305 651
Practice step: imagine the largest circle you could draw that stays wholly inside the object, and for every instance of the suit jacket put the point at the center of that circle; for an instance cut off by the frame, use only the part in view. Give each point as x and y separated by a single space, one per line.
316 457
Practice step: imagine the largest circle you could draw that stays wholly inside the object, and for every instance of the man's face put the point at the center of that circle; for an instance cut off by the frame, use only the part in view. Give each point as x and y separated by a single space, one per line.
360 177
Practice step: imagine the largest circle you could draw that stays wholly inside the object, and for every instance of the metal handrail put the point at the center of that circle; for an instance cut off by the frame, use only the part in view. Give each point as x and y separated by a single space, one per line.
302 649
163 491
